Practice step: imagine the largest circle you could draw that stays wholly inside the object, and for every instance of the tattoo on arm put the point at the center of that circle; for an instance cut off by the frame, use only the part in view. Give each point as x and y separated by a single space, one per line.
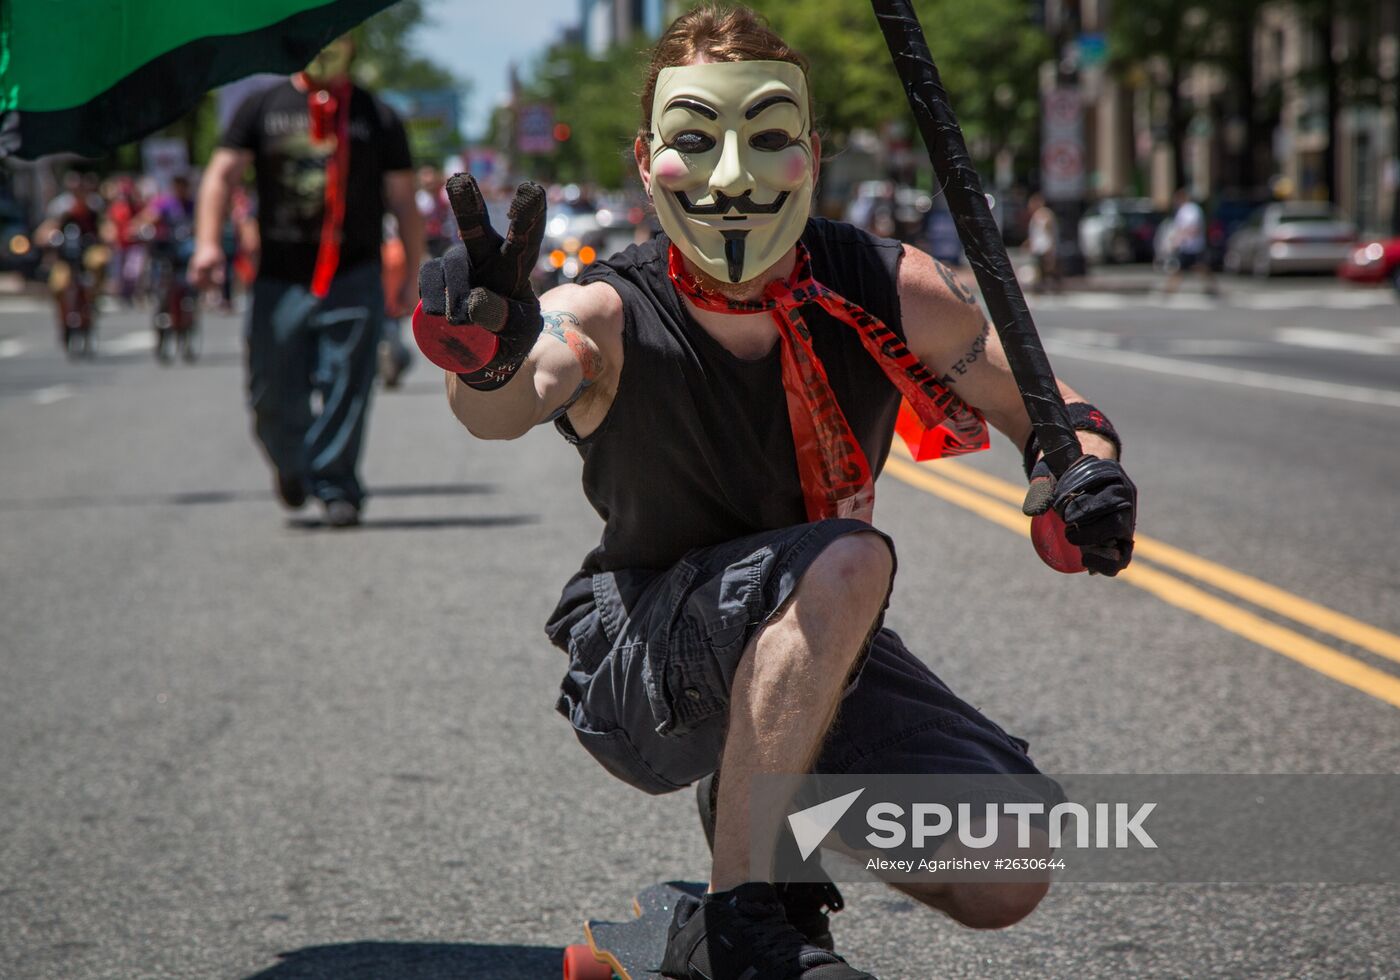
971 357
563 326
955 285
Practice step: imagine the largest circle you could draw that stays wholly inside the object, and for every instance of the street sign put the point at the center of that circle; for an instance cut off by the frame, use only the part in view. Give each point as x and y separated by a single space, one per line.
164 158
1093 50
1062 158
430 119
534 128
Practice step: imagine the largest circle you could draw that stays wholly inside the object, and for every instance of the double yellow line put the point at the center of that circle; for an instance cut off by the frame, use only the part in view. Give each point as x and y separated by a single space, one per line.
999 502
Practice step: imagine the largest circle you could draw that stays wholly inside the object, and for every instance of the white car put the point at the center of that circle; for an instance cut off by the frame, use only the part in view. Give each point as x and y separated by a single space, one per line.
1293 236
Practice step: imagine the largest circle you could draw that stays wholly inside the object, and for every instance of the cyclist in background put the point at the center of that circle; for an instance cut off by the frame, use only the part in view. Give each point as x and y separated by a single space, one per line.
167 224
72 230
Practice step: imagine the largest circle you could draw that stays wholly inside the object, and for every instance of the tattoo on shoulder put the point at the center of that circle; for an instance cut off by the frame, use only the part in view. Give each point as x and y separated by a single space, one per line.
971 357
564 327
955 285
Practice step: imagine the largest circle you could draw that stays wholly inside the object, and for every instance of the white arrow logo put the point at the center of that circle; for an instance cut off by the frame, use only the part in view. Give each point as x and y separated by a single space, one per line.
810 826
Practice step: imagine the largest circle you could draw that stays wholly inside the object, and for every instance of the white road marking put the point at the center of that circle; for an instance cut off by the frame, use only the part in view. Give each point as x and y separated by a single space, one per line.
1089 337
128 342
1083 301
1212 347
1319 339
1224 375
1325 298
24 304
1183 346
51 394
10 347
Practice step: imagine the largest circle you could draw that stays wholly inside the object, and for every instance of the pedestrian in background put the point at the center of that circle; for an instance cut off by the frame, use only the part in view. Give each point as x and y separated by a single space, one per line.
328 157
394 356
439 227
1186 241
1043 238
128 251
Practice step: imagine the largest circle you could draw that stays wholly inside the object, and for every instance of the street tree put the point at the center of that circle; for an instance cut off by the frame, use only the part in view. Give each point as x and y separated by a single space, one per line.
595 109
1167 38
988 55
385 57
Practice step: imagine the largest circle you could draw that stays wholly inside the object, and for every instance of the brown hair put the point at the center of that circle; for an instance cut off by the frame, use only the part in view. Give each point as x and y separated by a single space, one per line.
716 33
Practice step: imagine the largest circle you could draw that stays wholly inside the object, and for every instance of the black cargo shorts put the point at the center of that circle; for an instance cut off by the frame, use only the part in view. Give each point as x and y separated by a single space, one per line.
652 656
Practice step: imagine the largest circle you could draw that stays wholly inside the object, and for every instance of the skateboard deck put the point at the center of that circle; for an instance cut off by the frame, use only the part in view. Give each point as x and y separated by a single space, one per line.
629 950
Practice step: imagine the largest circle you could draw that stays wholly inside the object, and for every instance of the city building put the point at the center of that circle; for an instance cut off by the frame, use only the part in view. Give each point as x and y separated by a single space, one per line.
611 22
1271 114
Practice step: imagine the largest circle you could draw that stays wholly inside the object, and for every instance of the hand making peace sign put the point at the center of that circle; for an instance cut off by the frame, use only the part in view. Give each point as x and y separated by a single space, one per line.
478 315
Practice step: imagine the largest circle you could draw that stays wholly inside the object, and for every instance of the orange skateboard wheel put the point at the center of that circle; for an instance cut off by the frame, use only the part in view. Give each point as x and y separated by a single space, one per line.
581 964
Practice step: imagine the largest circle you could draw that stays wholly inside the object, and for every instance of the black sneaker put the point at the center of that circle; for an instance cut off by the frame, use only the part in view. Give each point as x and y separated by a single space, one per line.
342 513
743 934
291 490
807 904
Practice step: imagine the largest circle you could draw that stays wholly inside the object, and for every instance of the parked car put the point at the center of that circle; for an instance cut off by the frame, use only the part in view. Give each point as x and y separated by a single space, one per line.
1227 213
1293 236
1374 261
1119 229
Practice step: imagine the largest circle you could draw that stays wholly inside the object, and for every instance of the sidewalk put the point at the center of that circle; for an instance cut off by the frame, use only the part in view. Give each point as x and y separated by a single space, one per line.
1142 279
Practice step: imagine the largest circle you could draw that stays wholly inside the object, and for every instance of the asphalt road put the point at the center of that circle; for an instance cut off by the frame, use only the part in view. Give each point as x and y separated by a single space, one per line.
238 745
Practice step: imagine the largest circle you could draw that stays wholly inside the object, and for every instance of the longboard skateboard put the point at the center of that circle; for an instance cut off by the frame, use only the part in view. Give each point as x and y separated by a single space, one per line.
629 950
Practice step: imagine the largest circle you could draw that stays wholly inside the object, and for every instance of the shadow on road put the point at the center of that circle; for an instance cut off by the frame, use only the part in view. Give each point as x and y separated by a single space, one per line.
416 961
417 523
199 498
210 359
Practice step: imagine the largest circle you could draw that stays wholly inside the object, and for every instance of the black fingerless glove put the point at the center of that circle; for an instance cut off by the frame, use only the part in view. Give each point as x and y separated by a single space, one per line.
1098 504
478 315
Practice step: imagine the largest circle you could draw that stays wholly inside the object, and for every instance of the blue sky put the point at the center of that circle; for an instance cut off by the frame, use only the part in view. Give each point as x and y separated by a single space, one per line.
477 39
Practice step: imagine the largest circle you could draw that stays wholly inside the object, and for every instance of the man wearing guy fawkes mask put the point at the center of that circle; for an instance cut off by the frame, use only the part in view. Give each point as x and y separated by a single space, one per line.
733 387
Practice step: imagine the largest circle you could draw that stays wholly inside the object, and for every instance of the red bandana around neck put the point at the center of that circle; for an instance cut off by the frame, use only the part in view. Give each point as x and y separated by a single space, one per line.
329 111
835 475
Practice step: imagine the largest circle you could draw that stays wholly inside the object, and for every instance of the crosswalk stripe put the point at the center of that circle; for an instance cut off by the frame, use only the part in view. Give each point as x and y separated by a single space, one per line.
1235 376
1321 339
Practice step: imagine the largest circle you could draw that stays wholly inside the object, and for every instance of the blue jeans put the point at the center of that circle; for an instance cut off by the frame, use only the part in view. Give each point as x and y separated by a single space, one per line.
299 345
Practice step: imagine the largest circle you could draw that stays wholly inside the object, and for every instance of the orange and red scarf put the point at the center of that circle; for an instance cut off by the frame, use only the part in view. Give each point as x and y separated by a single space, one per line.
835 475
329 111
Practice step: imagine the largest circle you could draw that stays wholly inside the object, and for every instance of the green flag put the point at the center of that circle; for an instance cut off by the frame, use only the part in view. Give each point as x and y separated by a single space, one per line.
84 76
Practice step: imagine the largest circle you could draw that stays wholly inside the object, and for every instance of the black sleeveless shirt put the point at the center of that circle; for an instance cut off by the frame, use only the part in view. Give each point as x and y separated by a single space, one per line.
696 448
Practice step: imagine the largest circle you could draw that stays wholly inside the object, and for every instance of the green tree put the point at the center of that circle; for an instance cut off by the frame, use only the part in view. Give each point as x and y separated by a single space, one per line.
596 99
1171 36
386 61
1349 77
384 56
988 55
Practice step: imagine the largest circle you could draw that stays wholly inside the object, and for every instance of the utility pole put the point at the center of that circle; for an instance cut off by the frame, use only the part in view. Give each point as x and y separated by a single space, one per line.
1064 155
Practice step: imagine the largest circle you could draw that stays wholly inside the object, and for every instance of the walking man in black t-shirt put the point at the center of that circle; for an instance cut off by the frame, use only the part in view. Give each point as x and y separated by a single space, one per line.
733 387
328 158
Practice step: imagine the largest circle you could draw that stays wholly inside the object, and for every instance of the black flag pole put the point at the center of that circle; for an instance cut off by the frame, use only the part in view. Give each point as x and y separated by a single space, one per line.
981 240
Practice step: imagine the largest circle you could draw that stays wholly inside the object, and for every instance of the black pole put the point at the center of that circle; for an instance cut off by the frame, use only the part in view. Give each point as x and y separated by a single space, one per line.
981 239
